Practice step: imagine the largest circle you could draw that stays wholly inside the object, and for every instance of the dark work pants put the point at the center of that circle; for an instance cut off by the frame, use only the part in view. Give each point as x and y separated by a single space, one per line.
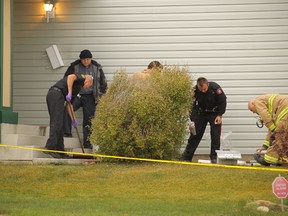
87 102
55 102
200 126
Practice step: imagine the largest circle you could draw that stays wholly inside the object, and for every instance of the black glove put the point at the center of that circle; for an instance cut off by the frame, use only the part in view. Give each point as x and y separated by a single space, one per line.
272 137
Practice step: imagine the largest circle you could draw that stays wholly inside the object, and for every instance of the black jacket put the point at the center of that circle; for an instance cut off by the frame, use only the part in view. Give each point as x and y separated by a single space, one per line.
211 102
99 84
77 85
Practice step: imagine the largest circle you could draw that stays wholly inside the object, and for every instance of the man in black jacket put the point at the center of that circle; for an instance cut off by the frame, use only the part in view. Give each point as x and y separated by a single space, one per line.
209 106
87 98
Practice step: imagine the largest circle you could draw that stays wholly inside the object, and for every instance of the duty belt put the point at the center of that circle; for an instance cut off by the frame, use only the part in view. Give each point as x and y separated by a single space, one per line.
214 110
56 88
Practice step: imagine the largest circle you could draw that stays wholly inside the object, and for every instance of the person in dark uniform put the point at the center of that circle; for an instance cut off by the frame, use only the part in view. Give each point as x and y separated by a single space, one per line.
209 106
88 98
60 92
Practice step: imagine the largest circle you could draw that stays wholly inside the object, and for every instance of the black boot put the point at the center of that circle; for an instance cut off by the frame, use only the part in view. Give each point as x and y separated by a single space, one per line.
214 161
186 156
260 159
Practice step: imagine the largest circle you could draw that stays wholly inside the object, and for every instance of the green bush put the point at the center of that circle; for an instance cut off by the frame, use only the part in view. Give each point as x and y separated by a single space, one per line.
144 115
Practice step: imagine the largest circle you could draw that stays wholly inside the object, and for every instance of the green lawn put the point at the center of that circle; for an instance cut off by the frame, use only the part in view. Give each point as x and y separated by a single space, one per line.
132 189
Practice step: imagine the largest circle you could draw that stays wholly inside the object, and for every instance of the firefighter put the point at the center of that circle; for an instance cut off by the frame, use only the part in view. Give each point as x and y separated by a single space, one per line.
209 106
272 110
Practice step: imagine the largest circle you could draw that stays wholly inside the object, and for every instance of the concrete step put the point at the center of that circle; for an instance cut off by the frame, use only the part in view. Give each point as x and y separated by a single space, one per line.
63 161
33 130
71 143
8 128
30 136
80 156
86 150
24 140
39 141
18 154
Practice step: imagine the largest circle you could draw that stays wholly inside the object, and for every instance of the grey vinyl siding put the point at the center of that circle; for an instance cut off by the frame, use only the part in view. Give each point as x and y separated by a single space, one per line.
240 44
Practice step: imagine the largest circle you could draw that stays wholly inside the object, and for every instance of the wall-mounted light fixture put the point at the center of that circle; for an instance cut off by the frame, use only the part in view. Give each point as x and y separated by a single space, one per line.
50 10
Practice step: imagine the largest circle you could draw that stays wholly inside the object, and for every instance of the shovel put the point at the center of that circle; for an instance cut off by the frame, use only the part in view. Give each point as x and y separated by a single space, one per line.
70 110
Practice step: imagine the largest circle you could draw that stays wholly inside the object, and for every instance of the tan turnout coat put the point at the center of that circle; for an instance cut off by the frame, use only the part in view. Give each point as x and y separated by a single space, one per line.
273 111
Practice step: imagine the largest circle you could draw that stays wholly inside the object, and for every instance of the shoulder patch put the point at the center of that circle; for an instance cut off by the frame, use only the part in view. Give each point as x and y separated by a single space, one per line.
83 76
219 91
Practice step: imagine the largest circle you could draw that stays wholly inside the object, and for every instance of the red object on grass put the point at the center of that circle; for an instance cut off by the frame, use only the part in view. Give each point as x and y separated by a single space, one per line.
280 187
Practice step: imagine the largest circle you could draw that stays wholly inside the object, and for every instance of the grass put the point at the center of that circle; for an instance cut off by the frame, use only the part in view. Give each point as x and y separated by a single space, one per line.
132 189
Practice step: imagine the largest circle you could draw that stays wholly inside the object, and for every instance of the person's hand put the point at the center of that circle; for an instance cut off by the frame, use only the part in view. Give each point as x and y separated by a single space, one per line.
218 120
192 128
260 149
68 97
74 123
272 137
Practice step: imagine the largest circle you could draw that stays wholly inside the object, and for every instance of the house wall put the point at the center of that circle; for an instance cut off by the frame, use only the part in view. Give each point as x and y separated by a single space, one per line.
240 44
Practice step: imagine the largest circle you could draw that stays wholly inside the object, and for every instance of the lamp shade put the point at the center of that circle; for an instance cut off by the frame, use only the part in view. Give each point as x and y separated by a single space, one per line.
48 6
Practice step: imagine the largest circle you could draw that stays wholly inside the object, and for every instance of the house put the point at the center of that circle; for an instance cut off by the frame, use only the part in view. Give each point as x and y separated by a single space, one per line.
241 44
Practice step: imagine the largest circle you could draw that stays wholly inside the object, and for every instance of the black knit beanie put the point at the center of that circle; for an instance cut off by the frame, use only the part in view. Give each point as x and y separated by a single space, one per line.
85 54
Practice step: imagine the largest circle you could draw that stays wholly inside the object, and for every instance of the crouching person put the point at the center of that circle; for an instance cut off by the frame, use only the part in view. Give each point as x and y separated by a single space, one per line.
273 112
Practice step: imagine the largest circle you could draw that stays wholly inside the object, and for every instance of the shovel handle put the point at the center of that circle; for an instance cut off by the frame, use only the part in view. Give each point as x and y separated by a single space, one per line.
72 115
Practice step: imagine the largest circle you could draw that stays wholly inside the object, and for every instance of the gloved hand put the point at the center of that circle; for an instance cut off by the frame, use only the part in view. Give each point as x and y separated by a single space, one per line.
260 149
68 97
272 137
74 123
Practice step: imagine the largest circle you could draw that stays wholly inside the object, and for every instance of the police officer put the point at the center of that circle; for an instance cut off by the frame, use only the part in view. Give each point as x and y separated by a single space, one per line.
209 106
87 98
60 92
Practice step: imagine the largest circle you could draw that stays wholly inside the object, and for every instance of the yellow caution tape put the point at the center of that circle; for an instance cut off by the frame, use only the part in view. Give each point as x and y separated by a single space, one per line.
151 160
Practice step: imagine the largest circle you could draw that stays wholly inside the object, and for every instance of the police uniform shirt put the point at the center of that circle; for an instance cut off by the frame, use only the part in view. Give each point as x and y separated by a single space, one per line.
77 85
214 100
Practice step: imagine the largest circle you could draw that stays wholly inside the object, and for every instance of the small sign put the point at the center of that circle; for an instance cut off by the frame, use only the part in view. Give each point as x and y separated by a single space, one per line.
280 187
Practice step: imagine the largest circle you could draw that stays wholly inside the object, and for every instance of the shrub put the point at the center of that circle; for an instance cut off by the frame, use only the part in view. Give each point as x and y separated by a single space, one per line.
144 115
